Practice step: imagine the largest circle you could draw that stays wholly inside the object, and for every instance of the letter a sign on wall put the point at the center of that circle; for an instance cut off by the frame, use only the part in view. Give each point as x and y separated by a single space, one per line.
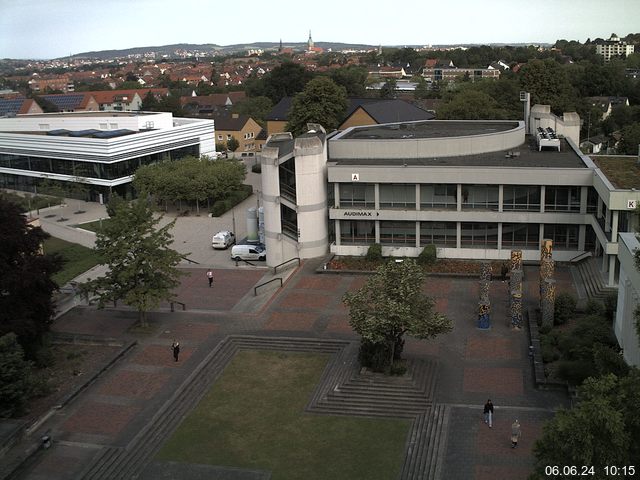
355 177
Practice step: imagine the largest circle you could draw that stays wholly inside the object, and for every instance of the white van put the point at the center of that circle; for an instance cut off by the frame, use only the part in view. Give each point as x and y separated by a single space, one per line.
223 239
248 252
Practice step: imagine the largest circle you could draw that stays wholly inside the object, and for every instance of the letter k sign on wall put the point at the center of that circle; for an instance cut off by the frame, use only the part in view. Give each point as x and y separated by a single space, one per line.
355 177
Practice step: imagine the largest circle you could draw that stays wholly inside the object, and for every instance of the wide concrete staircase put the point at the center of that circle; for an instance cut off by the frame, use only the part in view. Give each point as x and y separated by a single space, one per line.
343 390
588 273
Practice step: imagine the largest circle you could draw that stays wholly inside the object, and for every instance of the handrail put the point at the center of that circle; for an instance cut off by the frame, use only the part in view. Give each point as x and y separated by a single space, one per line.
189 260
284 263
255 290
577 257
184 305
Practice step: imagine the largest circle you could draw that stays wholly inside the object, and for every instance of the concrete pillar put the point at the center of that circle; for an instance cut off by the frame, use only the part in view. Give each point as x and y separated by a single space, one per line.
612 271
543 192
417 196
459 198
337 231
614 225
376 196
377 231
500 197
500 236
584 195
417 245
582 237
458 234
336 194
599 210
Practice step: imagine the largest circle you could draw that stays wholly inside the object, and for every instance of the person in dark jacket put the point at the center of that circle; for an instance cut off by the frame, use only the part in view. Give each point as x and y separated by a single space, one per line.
488 413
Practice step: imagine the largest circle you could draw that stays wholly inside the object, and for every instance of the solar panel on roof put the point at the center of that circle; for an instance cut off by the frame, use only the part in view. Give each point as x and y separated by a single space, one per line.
113 133
60 132
66 102
8 106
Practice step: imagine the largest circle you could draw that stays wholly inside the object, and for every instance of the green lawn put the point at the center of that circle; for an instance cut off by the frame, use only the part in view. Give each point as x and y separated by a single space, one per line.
253 418
77 259
94 226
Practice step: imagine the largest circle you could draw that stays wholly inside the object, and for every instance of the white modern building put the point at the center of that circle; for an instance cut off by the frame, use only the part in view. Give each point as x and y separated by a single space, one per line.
614 47
99 149
628 299
474 189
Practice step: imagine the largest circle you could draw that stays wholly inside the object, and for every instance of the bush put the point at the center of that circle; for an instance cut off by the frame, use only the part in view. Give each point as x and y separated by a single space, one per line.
595 307
565 308
16 382
607 360
428 255
374 253
219 207
610 305
575 371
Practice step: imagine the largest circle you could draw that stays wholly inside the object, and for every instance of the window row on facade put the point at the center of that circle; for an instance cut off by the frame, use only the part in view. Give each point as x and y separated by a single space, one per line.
78 168
481 197
472 234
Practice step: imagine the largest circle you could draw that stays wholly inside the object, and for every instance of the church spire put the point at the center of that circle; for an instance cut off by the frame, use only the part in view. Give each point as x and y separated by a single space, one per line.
310 42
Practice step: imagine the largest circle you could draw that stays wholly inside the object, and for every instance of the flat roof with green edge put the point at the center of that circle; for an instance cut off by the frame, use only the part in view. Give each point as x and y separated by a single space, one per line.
253 418
622 171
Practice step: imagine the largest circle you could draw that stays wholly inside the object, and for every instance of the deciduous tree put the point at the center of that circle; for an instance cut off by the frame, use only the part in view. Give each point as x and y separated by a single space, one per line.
392 304
142 268
26 287
322 101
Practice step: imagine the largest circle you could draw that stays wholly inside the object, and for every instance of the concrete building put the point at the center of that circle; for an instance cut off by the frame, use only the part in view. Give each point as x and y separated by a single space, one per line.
475 189
99 149
628 299
614 47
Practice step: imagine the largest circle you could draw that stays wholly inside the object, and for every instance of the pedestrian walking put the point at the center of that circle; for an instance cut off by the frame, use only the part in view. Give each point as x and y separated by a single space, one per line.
503 271
210 277
175 347
488 413
516 433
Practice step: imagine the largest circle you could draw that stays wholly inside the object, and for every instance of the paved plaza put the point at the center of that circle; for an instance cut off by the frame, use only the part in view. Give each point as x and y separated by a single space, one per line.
112 413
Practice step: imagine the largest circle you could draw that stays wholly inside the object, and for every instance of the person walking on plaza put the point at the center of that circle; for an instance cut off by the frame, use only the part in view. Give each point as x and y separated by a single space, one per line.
515 433
210 277
503 271
488 413
175 347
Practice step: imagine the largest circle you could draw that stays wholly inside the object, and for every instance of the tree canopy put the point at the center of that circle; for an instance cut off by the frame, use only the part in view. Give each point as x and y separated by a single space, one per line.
322 101
26 287
392 303
141 265
548 83
601 430
190 179
285 80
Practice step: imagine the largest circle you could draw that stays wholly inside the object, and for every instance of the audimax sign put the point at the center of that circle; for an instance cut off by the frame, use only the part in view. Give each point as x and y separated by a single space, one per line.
360 213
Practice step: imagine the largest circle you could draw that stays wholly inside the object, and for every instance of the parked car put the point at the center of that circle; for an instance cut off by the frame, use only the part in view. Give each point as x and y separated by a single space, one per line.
223 239
248 252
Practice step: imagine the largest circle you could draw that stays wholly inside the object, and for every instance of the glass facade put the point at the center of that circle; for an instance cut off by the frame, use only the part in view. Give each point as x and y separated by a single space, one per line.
441 234
289 219
482 197
96 170
521 197
479 235
438 197
565 237
357 195
521 235
398 233
353 232
398 196
562 199
287 173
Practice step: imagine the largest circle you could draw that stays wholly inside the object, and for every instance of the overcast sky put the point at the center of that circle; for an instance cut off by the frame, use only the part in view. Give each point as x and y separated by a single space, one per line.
56 28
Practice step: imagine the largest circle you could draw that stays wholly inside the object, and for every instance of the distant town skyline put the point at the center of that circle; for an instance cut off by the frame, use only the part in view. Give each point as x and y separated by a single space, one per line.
56 28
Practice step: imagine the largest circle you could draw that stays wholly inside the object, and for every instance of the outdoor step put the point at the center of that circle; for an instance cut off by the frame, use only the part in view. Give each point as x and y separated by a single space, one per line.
374 390
391 404
347 404
102 461
414 443
434 443
364 412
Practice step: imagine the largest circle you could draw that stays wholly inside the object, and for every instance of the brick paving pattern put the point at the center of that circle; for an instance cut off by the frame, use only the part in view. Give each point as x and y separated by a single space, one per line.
473 365
99 418
129 383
